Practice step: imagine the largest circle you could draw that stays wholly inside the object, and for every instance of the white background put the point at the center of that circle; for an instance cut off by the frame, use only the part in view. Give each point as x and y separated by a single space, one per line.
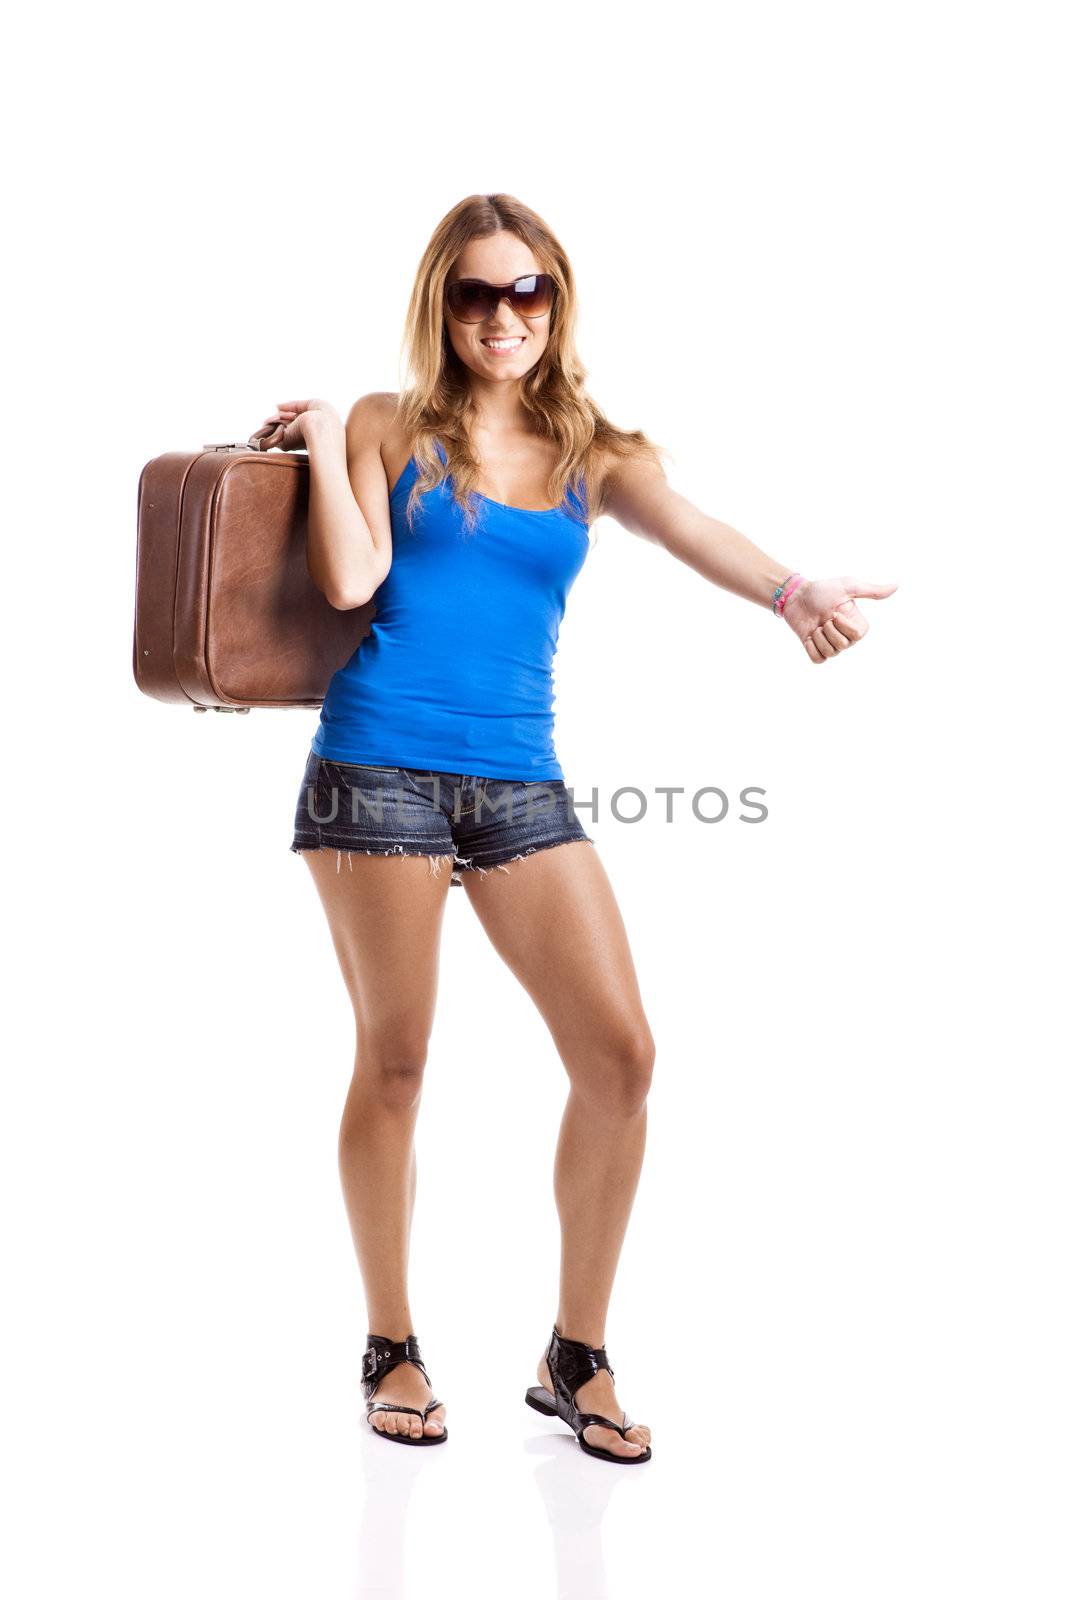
818 256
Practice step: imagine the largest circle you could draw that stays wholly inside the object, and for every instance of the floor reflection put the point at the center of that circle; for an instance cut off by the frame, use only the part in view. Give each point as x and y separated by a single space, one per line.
574 1489
389 1473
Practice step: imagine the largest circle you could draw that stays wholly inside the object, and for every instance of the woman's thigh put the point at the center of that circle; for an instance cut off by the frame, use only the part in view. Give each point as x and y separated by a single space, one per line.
554 920
385 914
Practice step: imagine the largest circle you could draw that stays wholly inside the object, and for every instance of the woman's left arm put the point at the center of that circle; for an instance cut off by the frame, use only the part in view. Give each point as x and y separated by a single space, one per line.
822 612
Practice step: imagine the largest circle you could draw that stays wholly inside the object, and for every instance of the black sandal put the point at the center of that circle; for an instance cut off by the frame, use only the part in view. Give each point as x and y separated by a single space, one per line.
570 1364
379 1358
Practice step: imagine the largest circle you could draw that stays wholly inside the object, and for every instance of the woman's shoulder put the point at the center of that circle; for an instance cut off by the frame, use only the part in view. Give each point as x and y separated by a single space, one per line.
617 467
370 410
373 422
604 464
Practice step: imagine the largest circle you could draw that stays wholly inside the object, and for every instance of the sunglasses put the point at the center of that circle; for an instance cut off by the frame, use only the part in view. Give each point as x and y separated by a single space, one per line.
471 300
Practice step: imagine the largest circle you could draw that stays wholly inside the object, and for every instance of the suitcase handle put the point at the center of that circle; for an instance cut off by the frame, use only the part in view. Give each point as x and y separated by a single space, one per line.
254 443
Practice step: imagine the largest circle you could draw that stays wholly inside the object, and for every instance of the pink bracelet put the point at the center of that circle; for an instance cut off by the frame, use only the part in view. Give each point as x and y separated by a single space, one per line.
784 590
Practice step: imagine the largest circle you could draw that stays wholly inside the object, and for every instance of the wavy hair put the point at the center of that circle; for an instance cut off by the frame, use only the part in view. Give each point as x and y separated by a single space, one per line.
436 400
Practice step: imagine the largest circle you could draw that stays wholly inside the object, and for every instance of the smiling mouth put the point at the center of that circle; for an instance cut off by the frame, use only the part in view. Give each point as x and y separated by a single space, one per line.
511 343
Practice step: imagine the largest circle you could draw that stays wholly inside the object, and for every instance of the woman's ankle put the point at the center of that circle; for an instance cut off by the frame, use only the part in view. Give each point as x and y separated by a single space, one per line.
585 1330
385 1328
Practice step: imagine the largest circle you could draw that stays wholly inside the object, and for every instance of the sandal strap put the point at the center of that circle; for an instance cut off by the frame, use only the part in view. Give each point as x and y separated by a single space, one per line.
387 1405
583 1418
572 1363
382 1355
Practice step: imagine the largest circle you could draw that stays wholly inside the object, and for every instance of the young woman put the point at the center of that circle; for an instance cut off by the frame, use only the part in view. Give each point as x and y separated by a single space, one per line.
463 507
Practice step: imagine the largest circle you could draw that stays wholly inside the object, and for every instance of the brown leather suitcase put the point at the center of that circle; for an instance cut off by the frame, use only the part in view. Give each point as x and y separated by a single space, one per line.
226 614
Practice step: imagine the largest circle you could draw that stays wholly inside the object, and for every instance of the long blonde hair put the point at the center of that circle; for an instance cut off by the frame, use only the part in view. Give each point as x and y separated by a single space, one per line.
437 400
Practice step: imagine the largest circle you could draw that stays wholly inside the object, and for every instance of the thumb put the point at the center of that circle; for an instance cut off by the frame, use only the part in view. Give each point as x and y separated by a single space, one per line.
865 589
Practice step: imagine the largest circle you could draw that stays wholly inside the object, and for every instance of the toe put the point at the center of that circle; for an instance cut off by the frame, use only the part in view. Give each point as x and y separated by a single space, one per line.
607 1439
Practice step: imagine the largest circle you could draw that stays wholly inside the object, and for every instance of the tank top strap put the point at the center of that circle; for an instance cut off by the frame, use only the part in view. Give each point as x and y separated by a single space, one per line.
582 497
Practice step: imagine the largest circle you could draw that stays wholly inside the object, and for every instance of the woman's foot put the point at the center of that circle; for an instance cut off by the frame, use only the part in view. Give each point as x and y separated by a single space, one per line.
406 1386
598 1394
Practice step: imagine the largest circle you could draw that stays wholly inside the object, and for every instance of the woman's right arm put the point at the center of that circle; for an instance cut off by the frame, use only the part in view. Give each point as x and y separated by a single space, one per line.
349 543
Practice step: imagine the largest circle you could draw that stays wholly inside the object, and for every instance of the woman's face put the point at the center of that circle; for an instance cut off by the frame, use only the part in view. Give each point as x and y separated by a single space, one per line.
499 259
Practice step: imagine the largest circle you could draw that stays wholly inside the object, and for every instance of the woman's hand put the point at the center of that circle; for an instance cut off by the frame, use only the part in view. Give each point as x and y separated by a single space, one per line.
285 429
823 613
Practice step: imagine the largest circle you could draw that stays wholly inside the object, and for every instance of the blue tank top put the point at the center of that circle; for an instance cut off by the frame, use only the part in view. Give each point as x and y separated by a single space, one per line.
456 673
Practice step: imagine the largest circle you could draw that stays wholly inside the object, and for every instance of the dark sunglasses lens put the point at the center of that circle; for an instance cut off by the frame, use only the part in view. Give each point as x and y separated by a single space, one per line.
470 302
532 296
474 302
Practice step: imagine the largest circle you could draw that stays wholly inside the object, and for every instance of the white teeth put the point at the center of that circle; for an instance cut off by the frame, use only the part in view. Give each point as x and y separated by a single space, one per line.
502 344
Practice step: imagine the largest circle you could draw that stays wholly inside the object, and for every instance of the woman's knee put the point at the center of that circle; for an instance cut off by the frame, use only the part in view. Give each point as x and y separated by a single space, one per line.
619 1075
391 1069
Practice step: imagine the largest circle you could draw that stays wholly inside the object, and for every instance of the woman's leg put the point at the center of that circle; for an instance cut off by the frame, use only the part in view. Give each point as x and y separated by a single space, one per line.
554 919
385 915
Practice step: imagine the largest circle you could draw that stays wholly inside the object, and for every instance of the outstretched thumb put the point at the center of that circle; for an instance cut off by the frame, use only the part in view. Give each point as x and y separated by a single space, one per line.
864 589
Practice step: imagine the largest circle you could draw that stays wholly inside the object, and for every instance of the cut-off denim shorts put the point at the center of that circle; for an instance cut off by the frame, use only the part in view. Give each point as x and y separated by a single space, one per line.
480 823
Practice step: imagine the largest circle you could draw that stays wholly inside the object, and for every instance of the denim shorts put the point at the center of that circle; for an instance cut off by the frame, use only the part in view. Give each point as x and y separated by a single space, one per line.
479 822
